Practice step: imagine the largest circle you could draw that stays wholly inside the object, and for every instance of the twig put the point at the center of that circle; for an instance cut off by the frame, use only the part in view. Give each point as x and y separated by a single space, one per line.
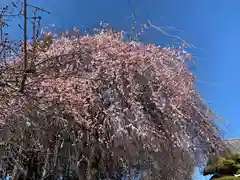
159 29
37 8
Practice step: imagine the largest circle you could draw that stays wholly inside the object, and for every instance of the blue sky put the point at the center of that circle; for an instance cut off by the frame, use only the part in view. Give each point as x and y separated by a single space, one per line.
212 26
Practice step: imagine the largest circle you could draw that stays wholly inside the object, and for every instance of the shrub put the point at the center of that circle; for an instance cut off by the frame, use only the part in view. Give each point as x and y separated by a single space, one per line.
225 167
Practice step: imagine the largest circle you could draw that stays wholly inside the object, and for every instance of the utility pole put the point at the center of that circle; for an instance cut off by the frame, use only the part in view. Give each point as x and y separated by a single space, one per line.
25 35
25 60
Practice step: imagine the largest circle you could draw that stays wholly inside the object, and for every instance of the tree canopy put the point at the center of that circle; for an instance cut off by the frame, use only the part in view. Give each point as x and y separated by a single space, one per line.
99 107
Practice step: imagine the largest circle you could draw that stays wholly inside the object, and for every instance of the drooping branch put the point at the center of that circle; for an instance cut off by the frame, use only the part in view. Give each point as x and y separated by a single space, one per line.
142 108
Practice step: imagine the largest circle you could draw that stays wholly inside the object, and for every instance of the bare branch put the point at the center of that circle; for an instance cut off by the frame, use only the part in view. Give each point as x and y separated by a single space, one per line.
165 33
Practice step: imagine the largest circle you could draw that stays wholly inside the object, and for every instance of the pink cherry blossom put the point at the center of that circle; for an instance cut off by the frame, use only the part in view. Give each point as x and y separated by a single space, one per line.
136 103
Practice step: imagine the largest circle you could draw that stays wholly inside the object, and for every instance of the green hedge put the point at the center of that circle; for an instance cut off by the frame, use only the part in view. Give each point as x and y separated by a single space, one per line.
223 168
226 178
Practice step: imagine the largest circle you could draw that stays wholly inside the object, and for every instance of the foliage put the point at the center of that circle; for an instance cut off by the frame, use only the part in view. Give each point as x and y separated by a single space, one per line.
223 167
226 178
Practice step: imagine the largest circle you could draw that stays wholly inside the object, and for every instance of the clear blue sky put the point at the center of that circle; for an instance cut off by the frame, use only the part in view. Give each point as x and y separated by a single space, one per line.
213 26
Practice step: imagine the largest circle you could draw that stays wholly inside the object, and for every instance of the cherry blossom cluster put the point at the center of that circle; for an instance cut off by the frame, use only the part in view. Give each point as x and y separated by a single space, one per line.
136 103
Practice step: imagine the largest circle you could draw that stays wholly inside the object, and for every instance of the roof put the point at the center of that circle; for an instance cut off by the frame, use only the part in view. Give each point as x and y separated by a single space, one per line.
234 144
